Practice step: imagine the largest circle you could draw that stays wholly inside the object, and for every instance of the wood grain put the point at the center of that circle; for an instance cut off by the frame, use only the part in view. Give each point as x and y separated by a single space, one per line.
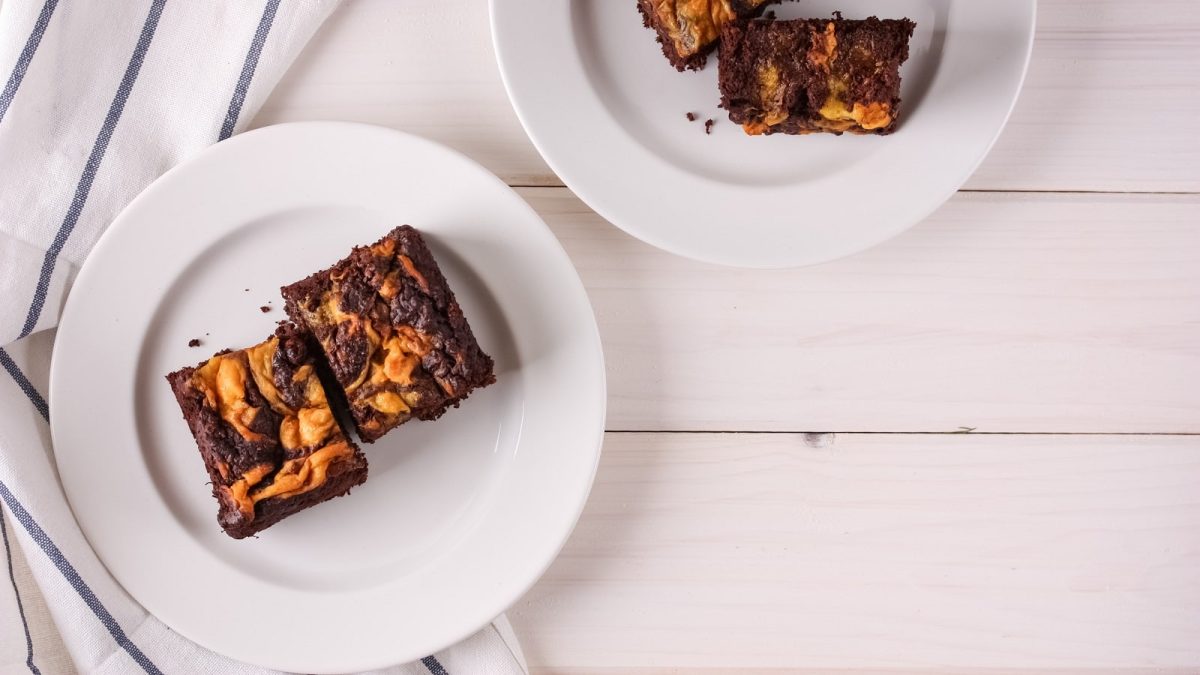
422 67
1083 121
1108 103
877 552
801 670
1002 312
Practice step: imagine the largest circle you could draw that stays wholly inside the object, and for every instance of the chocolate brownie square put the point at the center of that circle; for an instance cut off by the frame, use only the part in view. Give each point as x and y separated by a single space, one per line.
814 75
268 438
392 332
688 29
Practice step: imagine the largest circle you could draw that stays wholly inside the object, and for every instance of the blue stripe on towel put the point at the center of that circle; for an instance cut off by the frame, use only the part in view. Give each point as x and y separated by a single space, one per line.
93 165
31 45
17 594
26 386
68 571
248 66
434 666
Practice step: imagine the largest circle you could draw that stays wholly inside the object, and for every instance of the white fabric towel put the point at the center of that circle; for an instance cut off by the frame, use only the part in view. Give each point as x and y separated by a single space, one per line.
99 99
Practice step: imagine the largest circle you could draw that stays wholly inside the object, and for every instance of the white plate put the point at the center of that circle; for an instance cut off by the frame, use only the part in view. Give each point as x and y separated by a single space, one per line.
607 112
458 518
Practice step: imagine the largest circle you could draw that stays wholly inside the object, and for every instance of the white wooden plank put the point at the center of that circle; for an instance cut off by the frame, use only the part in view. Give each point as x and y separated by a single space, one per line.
801 670
1108 103
422 67
1004 312
877 552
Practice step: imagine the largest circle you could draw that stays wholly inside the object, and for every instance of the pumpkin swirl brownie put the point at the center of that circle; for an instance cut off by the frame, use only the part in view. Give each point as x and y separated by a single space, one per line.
814 75
392 332
688 29
268 438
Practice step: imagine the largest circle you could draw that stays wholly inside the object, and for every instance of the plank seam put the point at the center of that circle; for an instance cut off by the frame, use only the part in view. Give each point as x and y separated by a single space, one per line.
908 433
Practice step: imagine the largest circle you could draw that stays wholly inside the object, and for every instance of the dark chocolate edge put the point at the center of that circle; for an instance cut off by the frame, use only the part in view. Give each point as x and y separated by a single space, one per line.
337 484
698 60
273 510
190 406
427 265
481 369
694 62
738 28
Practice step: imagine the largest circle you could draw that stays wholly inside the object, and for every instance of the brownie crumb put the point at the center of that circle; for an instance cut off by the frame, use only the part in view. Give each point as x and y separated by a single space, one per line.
194 342
246 289
691 117
264 309
708 125
769 16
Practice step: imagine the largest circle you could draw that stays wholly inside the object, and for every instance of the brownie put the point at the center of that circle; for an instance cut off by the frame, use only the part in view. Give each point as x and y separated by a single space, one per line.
814 75
688 29
266 433
393 335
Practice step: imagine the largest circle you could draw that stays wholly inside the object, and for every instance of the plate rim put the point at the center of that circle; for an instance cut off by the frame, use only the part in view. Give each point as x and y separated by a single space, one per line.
648 235
59 382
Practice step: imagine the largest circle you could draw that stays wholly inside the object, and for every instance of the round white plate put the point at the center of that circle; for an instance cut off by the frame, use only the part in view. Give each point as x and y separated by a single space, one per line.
458 517
607 112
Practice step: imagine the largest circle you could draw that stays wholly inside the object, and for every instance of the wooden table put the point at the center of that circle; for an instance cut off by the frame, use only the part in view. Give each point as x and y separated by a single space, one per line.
976 446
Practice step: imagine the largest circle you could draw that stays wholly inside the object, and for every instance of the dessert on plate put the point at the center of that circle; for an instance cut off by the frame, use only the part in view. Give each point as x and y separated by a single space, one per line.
392 333
688 29
266 433
813 75
382 329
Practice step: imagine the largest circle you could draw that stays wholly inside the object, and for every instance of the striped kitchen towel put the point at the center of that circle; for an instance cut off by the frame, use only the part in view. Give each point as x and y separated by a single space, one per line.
99 98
